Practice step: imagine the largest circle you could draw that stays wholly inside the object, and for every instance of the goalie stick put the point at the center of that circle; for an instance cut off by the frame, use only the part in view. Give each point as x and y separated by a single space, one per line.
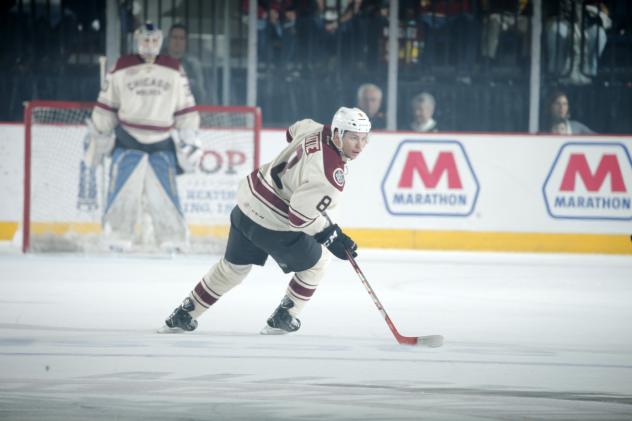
432 341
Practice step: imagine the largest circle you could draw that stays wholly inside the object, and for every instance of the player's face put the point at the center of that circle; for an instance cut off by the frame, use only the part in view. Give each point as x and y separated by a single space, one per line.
353 143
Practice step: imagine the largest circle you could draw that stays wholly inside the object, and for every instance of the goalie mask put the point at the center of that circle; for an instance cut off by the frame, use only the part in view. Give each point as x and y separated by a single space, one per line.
148 40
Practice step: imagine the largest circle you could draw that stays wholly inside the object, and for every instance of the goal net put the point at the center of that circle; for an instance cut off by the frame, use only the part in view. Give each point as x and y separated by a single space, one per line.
64 200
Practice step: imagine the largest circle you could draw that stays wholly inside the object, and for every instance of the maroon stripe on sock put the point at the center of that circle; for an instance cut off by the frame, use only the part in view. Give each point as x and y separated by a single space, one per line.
300 289
293 294
207 298
298 278
197 300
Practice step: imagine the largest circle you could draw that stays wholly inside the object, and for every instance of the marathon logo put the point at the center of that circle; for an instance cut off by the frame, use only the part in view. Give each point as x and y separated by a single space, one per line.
590 181
432 178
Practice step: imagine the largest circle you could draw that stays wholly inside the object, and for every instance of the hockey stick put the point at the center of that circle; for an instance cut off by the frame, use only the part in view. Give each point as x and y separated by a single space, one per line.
432 341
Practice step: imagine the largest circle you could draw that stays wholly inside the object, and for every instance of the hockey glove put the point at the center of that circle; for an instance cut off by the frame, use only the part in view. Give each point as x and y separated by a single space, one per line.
188 149
337 242
96 145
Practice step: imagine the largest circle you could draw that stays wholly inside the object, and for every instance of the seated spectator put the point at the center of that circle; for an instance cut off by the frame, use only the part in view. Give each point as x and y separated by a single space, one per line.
559 116
177 48
564 39
501 16
370 101
423 107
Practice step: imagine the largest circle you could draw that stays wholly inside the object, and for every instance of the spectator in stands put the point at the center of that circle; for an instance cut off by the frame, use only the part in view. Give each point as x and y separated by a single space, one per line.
276 26
423 107
370 101
283 21
177 48
501 17
560 117
356 22
564 38
450 30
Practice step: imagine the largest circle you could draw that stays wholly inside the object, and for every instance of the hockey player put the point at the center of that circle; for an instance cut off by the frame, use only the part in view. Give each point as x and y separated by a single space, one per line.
280 213
145 118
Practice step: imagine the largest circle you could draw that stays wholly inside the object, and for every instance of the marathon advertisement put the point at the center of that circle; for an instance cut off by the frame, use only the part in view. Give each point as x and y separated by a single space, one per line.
590 181
433 178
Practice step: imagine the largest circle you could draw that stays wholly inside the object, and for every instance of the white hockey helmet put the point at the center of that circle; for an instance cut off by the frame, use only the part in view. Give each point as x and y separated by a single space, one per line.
148 39
352 119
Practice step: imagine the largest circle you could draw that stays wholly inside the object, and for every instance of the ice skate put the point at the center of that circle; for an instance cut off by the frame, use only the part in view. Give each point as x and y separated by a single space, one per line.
180 320
281 321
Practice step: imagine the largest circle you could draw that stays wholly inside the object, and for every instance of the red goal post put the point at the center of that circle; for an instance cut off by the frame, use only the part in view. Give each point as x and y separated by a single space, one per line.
64 200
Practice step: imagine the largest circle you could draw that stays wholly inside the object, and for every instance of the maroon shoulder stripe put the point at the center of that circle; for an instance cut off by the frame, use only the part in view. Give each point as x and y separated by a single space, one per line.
168 61
127 61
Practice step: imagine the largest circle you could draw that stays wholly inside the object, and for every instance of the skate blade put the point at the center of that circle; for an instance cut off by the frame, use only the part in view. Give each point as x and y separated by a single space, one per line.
167 329
267 330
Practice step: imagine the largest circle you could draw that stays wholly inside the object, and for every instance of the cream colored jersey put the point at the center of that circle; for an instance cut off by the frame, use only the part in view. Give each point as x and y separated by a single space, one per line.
305 179
147 99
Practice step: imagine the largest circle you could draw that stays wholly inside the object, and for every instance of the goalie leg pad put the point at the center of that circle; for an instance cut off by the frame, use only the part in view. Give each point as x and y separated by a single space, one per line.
220 279
304 284
163 164
127 176
161 200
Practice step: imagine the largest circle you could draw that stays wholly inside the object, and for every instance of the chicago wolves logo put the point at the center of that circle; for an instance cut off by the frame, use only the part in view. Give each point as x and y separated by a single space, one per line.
430 178
590 181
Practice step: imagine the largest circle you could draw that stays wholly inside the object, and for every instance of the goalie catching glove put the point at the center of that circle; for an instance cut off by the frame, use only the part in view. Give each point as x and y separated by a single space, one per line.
337 242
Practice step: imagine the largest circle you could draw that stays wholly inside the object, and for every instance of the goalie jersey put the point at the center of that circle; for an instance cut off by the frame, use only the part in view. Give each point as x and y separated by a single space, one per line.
305 179
147 99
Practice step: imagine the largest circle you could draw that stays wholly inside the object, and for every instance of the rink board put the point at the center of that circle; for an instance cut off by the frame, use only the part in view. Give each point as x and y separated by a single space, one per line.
444 191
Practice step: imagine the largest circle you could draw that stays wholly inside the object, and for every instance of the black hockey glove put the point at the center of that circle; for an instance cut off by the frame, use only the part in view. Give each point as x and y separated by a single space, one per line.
337 242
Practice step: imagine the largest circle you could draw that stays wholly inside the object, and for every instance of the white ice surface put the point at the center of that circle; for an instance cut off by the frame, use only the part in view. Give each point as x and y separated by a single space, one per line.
529 337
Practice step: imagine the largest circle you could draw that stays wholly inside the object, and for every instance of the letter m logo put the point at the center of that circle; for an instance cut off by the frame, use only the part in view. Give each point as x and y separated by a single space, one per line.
590 181
578 166
415 163
430 178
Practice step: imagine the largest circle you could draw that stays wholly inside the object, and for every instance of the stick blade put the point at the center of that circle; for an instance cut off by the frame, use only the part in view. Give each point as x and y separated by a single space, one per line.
431 341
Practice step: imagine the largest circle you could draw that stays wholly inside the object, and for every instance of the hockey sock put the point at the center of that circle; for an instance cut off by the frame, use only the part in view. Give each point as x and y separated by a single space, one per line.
304 284
221 278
